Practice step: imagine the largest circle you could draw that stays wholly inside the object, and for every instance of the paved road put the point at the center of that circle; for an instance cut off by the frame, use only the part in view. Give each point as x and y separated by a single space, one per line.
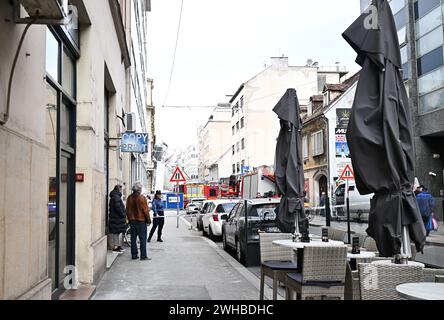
184 267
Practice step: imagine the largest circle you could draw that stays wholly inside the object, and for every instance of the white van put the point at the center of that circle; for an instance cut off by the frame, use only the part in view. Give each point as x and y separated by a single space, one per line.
359 204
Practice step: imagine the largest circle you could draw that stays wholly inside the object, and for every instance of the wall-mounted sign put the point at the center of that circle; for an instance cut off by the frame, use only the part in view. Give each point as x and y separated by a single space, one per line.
134 142
342 118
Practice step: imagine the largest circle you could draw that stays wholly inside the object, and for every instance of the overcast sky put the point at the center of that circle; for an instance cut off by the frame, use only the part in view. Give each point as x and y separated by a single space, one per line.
223 43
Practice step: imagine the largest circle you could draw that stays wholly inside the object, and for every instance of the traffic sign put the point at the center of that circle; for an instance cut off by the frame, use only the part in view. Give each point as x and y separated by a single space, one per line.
348 173
178 176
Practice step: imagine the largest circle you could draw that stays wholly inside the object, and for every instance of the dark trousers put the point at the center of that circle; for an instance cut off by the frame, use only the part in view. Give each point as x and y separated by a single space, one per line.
138 229
157 224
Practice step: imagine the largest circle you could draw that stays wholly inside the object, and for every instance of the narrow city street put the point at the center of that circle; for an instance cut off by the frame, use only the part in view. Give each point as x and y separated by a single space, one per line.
186 266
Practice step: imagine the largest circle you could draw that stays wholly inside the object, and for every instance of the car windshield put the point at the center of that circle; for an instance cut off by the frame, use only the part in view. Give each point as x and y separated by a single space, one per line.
265 211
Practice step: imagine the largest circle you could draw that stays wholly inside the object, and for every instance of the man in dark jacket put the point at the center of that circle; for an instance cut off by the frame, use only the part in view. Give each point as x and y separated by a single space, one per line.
138 215
117 218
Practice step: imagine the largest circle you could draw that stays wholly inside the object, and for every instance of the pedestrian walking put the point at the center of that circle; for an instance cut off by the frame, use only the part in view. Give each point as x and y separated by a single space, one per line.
138 217
426 204
158 218
117 218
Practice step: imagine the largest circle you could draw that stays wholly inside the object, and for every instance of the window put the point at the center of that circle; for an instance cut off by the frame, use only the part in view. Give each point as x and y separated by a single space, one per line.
233 148
243 144
431 81
242 122
237 147
237 126
405 71
238 167
233 130
242 102
422 7
305 147
402 36
430 61
234 169
397 5
431 102
318 143
430 41
52 55
428 22
401 18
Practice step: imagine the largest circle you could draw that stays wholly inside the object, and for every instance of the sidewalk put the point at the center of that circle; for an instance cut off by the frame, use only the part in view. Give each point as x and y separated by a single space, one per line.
184 267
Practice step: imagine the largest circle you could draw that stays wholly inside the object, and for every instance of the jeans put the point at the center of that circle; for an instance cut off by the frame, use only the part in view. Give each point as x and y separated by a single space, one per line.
138 229
157 222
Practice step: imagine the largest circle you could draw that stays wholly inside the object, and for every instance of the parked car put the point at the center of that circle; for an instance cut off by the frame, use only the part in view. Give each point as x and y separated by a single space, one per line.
262 215
203 210
211 220
359 204
192 207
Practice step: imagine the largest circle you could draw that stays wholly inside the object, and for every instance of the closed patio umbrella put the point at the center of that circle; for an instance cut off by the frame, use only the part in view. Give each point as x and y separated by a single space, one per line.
289 169
380 135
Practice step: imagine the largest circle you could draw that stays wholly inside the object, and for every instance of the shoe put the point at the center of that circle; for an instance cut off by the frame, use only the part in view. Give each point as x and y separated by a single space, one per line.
145 259
121 249
149 240
135 258
117 251
160 240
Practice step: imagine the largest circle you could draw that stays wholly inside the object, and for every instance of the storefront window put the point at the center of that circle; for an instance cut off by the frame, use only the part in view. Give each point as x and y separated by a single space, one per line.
68 74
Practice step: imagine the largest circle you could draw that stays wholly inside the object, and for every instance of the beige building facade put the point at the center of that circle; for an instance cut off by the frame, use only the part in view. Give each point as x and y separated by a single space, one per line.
69 97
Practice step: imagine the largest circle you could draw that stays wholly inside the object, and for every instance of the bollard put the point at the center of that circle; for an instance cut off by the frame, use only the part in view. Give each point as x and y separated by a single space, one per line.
327 212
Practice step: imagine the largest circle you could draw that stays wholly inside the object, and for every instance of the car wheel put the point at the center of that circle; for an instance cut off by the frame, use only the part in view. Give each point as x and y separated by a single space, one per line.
224 242
239 255
211 235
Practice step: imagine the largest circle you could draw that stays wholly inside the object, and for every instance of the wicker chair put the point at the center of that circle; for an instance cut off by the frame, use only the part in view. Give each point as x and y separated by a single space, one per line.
433 275
379 281
276 261
352 291
370 244
323 274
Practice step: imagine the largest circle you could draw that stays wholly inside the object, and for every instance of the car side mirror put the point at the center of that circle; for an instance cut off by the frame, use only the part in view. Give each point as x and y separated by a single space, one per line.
224 217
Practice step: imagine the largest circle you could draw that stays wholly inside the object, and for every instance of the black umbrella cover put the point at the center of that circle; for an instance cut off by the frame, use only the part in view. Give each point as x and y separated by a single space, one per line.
288 164
380 134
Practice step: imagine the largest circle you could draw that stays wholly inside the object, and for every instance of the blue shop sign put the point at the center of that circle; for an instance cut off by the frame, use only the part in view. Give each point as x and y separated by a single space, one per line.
134 142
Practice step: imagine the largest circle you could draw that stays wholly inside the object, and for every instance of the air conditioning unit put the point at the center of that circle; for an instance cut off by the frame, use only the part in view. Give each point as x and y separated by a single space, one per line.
46 9
130 122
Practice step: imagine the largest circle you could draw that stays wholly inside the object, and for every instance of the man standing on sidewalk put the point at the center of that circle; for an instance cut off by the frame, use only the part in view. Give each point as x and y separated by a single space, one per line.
138 216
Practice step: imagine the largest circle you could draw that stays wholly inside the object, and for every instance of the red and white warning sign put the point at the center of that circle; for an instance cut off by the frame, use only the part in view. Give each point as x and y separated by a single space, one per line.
347 174
178 176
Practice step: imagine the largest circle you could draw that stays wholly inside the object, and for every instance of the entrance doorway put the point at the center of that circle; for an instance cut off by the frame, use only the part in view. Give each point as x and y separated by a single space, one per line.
323 185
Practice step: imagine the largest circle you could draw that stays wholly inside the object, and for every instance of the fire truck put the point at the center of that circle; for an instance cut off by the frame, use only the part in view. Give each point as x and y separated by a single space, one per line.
209 191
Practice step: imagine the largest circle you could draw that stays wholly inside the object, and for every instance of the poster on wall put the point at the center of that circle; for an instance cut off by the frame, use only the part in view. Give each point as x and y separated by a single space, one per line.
342 118
342 151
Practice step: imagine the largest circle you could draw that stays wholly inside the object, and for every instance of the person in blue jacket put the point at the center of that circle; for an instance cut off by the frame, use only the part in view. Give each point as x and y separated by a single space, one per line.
426 204
159 217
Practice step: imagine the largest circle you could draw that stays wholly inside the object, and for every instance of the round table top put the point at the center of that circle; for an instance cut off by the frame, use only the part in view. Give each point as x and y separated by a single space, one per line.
312 243
362 255
421 291
389 262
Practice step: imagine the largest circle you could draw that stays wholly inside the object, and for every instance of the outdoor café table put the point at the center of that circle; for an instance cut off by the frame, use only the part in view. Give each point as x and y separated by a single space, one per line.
363 255
299 246
421 291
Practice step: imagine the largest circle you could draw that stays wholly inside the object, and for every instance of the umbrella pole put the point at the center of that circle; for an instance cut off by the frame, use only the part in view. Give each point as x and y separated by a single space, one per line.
406 250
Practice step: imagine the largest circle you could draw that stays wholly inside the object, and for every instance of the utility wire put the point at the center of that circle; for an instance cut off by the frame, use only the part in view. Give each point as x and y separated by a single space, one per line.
175 51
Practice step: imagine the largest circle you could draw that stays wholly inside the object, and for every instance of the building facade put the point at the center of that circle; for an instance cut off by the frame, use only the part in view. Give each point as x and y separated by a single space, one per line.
62 139
324 145
214 139
254 126
421 37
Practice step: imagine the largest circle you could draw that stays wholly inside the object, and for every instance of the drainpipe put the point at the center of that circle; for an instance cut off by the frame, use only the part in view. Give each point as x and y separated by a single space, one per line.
5 116
328 206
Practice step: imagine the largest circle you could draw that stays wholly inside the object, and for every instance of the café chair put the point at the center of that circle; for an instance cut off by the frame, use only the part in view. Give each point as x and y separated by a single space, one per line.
433 275
276 261
379 281
323 274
